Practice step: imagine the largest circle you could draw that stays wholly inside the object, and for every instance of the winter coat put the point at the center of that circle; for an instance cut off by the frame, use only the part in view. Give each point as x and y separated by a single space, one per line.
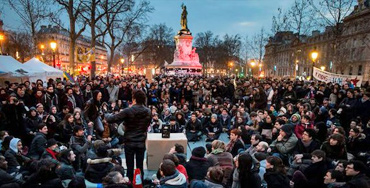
197 168
299 129
79 145
363 110
177 180
113 93
315 173
211 184
357 144
276 180
286 145
79 98
65 171
306 151
214 127
49 100
136 122
359 181
6 178
38 146
44 180
255 180
97 169
334 152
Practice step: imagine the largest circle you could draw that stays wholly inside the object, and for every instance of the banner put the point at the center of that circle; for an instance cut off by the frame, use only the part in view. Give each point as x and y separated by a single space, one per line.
340 79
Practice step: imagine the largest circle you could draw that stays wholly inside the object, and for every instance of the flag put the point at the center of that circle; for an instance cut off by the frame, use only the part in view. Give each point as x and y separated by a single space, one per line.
68 76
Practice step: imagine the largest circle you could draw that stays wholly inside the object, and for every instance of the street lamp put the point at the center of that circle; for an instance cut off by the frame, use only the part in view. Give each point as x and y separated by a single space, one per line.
53 46
252 64
314 55
231 64
322 68
122 61
1 43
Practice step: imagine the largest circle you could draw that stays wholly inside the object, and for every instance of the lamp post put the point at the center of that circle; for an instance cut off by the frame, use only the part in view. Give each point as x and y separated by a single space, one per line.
1 43
253 63
314 55
53 46
122 61
231 64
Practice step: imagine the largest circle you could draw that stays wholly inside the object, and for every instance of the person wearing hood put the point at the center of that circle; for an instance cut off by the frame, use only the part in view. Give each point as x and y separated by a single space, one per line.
305 124
38 144
285 142
275 175
295 119
15 158
171 177
197 165
165 117
50 98
323 114
98 168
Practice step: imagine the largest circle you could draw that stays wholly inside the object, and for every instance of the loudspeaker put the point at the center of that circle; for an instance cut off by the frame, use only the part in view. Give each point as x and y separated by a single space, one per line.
166 131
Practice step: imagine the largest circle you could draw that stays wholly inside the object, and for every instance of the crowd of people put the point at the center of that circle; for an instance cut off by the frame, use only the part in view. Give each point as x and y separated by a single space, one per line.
282 132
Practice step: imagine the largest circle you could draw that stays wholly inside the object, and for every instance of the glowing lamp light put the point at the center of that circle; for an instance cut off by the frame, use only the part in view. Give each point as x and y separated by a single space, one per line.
53 45
314 55
322 68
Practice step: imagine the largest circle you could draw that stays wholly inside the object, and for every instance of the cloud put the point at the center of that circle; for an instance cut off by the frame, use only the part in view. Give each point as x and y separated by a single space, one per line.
246 23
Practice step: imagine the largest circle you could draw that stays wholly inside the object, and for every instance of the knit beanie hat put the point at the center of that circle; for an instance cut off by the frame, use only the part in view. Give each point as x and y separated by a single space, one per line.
297 116
51 142
198 152
214 116
287 128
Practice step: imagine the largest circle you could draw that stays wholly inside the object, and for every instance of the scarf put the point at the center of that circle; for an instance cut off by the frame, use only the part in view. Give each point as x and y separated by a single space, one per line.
230 145
52 153
217 151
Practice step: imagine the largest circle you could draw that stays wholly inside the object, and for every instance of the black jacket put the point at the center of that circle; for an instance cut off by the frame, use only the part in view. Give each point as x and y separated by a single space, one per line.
276 180
136 122
359 181
315 173
38 146
306 151
197 168
97 169
6 178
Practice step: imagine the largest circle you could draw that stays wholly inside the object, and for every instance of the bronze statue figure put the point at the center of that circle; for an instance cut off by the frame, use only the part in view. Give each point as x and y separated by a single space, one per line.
184 20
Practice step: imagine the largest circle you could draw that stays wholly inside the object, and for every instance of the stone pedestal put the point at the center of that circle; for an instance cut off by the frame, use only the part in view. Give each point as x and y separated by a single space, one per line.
186 60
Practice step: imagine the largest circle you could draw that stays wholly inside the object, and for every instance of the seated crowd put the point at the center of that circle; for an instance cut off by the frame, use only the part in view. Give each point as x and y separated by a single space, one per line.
282 133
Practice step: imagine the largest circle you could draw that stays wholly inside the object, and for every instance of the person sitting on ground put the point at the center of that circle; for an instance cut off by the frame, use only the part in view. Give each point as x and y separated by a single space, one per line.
5 178
334 179
179 151
179 167
335 147
174 126
275 175
357 170
193 128
236 144
214 179
313 175
39 142
45 175
80 144
284 144
16 160
255 139
213 128
66 170
171 177
305 124
220 157
51 151
115 179
197 165
100 167
244 175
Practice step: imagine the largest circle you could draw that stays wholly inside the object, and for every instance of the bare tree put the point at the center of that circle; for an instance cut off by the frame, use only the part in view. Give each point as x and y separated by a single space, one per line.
280 22
160 44
331 14
74 9
123 24
300 17
20 42
205 43
96 10
31 12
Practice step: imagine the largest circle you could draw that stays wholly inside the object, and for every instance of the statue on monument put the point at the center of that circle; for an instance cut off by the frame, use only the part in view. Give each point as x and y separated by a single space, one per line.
184 20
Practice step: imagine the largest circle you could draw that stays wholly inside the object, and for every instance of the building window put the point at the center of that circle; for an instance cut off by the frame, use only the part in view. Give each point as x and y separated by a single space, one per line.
360 70
350 70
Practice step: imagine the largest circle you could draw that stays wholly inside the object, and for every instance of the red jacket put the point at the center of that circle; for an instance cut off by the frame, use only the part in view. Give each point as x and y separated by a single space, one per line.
299 129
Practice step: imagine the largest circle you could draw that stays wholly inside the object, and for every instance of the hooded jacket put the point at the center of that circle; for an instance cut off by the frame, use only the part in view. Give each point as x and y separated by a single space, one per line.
97 169
176 180
197 168
38 146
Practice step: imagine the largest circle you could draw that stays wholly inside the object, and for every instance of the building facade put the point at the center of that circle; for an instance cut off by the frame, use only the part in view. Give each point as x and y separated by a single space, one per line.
344 52
83 53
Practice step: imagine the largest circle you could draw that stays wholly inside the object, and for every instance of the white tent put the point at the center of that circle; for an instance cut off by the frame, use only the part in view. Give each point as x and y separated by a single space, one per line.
13 70
43 69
